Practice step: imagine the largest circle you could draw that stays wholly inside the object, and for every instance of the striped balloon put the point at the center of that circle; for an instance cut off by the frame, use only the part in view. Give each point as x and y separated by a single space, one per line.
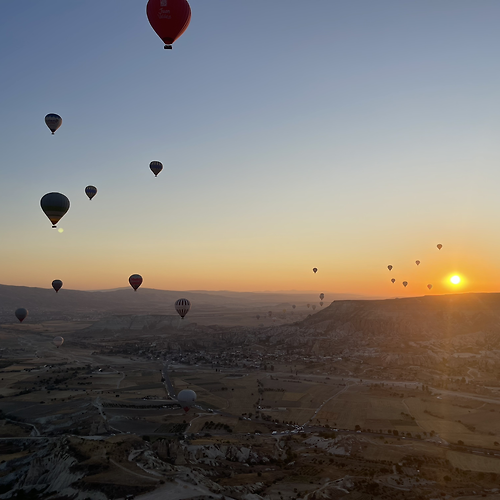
135 281
182 307
53 121
90 191
54 205
156 167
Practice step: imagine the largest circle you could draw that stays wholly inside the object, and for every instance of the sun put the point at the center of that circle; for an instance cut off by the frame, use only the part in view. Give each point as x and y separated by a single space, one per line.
455 279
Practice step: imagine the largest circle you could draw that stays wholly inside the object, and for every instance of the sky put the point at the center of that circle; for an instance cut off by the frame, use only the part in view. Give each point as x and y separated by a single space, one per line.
342 135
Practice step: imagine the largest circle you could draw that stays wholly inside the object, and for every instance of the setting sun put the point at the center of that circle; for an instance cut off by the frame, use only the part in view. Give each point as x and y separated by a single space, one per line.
455 280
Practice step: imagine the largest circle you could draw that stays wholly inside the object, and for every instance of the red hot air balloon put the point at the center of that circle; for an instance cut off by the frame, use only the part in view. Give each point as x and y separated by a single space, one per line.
169 18
135 281
56 285
429 286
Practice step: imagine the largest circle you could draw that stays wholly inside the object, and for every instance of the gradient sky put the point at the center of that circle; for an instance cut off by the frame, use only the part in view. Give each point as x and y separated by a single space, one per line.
346 135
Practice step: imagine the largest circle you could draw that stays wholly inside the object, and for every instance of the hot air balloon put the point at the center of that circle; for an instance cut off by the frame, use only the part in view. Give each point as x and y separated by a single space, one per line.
294 306
439 246
313 307
308 306
258 316
186 399
169 18
90 191
135 281
405 283
56 285
321 296
315 270
321 304
53 121
54 205
182 307
429 286
58 341
389 267
270 313
21 313
393 280
156 167
417 262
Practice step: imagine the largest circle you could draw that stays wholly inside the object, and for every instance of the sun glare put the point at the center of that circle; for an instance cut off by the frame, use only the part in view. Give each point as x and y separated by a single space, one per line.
455 280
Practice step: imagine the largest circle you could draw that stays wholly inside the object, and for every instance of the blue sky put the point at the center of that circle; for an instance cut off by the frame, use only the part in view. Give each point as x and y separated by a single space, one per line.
342 135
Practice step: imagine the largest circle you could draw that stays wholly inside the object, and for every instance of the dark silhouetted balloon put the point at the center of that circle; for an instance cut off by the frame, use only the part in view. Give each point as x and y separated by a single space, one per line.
53 121
315 270
393 280
258 316
313 307
156 167
169 18
321 304
389 267
21 313
182 307
321 296
90 191
429 286
186 399
405 283
308 306
56 285
58 341
54 205
439 246
135 281
417 262
294 306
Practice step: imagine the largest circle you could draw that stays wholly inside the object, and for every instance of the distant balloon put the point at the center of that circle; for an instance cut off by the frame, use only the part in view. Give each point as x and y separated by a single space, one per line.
439 246
308 306
182 307
21 313
294 306
405 283
90 191
417 262
186 399
321 296
315 270
321 304
53 121
170 21
429 286
389 267
156 167
393 280
313 307
56 285
258 316
58 341
54 205
270 313
135 281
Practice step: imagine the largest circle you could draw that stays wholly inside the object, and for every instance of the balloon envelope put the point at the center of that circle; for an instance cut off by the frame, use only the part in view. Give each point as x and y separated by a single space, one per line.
389 267
182 307
21 313
169 18
321 304
58 341
393 280
417 262
321 296
156 167
429 286
53 121
56 285
90 191
135 281
186 399
439 246
54 205
315 270
314 307
405 283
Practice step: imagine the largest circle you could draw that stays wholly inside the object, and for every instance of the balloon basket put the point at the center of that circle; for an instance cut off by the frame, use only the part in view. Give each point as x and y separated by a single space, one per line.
168 47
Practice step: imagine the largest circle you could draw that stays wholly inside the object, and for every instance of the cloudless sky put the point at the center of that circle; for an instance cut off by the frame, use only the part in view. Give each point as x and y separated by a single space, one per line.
342 135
